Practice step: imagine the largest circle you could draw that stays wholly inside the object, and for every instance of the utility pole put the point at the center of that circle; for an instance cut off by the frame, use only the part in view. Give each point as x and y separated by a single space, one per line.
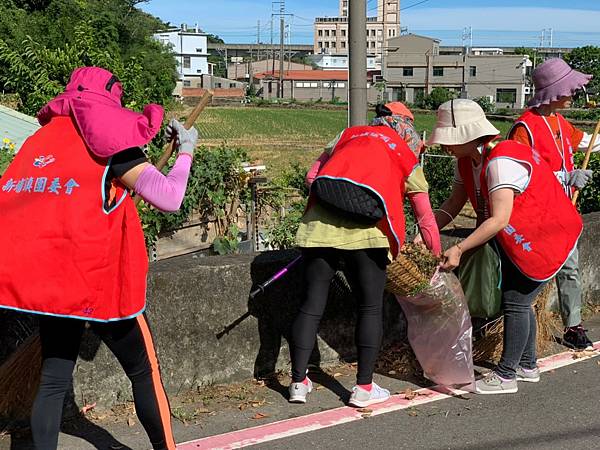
281 54
272 49
258 41
357 27
281 15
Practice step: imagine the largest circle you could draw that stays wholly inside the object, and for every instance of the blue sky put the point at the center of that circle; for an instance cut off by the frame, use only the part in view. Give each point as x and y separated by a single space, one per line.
494 22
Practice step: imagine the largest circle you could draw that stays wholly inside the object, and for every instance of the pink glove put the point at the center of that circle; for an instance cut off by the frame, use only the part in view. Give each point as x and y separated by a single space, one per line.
314 170
426 221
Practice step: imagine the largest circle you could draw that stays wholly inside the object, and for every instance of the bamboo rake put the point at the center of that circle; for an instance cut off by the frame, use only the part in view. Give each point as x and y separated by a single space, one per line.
190 121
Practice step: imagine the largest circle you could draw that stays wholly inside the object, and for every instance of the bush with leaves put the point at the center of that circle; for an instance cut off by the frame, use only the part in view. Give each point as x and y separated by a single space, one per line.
216 185
486 104
435 98
7 153
589 197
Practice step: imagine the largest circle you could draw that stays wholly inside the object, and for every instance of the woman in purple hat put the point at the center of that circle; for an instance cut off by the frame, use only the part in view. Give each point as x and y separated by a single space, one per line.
555 140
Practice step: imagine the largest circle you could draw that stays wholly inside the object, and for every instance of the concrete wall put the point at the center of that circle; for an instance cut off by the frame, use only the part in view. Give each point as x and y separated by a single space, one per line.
191 300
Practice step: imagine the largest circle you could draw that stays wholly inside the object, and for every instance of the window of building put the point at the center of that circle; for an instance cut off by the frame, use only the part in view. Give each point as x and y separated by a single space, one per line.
407 72
473 71
333 44
343 33
218 85
321 33
332 33
187 62
343 44
187 83
327 33
199 50
327 84
438 71
373 32
320 44
306 84
372 44
326 44
505 95
231 85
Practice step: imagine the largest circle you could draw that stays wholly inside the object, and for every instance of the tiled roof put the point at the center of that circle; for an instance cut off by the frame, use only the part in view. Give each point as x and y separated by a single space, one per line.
16 126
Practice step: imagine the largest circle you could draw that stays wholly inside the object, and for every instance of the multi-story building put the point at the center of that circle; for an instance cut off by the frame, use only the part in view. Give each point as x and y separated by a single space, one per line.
414 65
331 33
190 46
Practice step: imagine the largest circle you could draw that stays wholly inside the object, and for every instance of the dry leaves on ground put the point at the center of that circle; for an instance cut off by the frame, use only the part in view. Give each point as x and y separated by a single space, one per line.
259 416
87 408
584 354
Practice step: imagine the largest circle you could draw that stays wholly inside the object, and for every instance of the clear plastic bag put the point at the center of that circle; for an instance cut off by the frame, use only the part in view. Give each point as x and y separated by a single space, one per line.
440 331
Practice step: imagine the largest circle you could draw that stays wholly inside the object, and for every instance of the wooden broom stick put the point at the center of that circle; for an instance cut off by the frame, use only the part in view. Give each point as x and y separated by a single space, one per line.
588 154
191 120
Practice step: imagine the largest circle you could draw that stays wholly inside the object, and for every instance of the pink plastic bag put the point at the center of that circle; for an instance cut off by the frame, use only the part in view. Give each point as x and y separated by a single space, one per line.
440 331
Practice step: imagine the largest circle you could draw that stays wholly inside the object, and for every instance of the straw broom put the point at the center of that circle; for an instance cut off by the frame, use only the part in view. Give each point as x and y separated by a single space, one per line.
489 347
20 373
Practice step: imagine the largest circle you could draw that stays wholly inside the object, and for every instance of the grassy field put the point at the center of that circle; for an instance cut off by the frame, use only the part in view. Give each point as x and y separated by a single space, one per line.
279 137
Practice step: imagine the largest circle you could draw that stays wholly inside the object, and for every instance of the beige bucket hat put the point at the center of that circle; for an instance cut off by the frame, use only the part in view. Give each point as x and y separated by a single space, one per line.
460 121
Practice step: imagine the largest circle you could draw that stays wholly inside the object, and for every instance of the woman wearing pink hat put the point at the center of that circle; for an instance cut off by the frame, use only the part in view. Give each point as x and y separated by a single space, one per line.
72 244
555 139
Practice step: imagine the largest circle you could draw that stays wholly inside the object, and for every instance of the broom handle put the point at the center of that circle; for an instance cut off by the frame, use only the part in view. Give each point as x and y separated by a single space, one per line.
191 120
588 154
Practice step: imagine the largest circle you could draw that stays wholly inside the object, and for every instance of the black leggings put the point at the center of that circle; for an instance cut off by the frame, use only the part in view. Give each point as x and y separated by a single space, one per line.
130 341
367 268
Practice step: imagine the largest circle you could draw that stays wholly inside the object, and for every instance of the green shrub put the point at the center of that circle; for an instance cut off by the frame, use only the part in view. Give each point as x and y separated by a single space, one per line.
435 98
486 104
216 184
589 197
7 153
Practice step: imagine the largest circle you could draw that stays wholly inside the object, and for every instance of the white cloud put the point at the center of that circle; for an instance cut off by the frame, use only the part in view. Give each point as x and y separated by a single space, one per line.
502 18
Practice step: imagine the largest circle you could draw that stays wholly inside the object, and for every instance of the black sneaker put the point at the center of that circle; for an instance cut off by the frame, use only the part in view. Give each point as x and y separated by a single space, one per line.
576 339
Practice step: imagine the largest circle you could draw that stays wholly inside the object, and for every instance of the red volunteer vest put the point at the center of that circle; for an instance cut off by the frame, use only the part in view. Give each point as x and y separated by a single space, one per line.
465 168
559 157
544 225
378 159
63 252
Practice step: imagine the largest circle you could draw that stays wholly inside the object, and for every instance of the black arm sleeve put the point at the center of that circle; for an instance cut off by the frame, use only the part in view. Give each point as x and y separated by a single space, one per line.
126 160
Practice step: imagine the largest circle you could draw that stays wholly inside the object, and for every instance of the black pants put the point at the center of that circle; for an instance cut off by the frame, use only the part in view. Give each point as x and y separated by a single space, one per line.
131 343
367 268
518 295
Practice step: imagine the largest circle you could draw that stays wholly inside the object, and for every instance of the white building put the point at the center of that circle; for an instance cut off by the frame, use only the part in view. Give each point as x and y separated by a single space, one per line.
332 33
190 47
339 62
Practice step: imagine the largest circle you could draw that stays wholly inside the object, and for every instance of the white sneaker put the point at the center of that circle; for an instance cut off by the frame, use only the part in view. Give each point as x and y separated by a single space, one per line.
493 383
362 398
528 375
299 391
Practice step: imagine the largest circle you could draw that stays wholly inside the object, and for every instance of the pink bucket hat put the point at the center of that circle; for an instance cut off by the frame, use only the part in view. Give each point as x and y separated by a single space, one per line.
93 99
553 79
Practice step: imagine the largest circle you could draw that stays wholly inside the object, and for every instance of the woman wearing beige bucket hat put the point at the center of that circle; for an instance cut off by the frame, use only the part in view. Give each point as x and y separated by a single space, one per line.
555 139
516 197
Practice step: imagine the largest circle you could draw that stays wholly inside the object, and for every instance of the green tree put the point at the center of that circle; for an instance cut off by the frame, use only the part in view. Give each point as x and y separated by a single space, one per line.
587 60
436 97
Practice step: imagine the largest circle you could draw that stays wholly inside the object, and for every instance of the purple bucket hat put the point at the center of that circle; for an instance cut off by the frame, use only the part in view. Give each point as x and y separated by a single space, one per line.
553 79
